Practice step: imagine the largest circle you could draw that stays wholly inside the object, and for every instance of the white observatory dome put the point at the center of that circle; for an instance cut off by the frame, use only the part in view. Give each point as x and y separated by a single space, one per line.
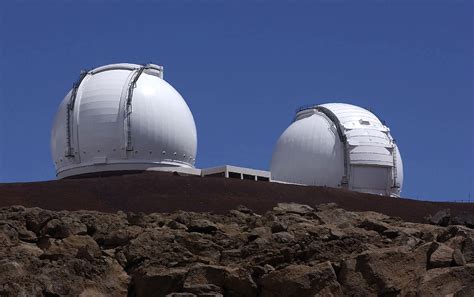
338 145
122 117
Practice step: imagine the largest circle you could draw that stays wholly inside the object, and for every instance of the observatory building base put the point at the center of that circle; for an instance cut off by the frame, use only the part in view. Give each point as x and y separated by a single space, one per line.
226 171
115 169
229 171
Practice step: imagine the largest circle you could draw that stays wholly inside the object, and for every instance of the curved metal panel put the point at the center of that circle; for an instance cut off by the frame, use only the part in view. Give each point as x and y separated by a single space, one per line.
309 152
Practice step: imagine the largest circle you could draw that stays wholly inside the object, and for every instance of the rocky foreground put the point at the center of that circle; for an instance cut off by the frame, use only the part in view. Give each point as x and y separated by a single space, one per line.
293 250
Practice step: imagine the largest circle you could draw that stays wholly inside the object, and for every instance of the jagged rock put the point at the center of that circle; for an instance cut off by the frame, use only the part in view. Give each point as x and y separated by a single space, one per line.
156 281
375 216
390 271
14 269
138 219
377 226
296 208
301 280
202 226
259 232
201 289
63 227
23 250
458 258
81 246
101 225
244 209
177 225
445 281
14 228
233 281
441 218
337 217
70 277
200 245
391 233
468 249
353 281
183 217
455 242
278 226
36 218
463 218
425 232
268 268
56 229
119 237
412 242
466 291
453 231
158 245
114 280
229 254
283 237
8 235
27 235
335 234
441 257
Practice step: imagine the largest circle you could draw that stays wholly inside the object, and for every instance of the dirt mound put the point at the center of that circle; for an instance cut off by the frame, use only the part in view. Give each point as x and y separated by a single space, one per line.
292 250
165 192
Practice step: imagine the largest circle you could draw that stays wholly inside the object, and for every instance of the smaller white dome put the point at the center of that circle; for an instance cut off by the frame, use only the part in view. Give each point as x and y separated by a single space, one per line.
338 145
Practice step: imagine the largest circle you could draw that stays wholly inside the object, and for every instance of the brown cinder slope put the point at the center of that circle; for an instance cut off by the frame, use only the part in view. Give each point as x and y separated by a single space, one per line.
165 192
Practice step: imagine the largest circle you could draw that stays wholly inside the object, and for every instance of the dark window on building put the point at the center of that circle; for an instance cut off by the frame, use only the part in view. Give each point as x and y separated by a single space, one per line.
248 176
234 175
219 174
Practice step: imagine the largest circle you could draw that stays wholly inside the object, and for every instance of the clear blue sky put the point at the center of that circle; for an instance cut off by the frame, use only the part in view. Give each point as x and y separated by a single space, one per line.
244 67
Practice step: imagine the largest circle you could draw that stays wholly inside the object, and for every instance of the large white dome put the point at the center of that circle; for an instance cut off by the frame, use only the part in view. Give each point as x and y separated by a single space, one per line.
122 117
338 145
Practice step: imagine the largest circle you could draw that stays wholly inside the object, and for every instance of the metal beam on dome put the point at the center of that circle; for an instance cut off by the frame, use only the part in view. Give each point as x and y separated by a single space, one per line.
132 85
70 109
128 109
343 138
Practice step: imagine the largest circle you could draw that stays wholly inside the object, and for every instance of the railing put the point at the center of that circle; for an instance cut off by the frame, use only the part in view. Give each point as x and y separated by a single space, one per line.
442 201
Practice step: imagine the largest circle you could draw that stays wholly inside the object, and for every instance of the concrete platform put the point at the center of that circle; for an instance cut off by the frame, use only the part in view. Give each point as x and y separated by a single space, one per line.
229 171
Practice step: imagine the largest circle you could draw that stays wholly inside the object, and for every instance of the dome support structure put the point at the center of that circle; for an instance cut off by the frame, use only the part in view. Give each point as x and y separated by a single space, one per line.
343 138
128 108
70 111
396 185
128 111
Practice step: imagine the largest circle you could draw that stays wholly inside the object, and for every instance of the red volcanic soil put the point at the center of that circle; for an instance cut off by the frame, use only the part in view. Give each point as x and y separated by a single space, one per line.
164 192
